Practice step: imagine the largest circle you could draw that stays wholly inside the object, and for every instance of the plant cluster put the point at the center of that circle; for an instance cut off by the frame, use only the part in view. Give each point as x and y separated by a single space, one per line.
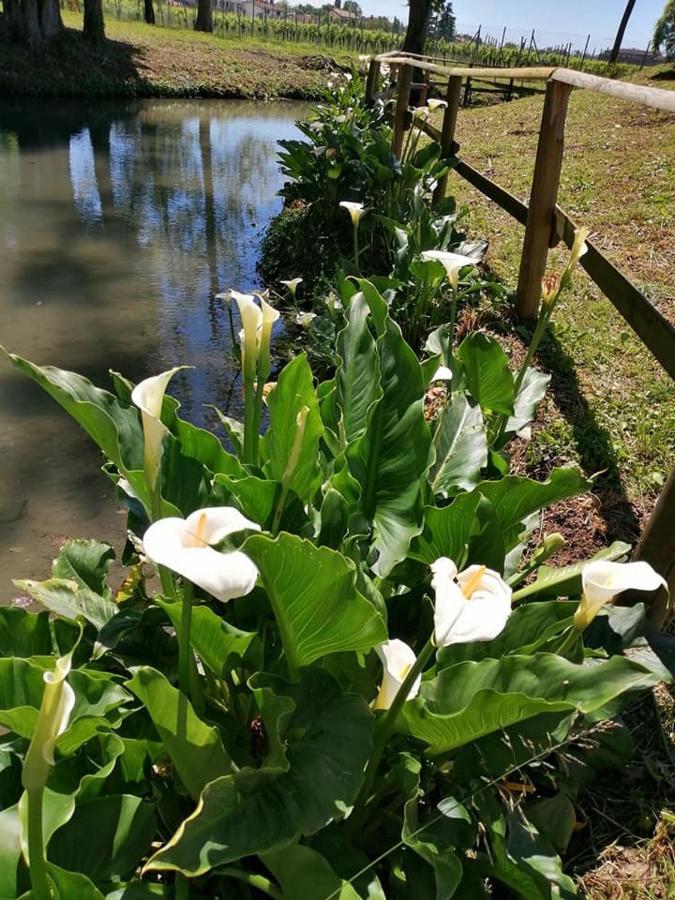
336 663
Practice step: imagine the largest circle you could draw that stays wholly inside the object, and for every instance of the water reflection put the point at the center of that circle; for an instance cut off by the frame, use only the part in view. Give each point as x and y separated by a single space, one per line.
118 225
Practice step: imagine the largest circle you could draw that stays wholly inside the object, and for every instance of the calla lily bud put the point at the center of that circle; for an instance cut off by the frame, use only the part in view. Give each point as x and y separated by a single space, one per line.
186 546
148 396
473 605
355 210
294 458
397 661
452 262
550 545
58 701
602 581
550 288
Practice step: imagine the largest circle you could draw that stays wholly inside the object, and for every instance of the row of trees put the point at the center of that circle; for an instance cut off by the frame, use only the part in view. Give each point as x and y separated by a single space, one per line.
34 22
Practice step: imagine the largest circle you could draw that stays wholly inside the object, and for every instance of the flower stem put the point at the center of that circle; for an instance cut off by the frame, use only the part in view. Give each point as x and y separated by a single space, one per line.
184 649
257 881
249 422
40 889
384 728
356 246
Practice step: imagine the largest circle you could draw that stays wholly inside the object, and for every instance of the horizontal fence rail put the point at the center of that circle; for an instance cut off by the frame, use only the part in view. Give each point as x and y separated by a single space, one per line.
545 222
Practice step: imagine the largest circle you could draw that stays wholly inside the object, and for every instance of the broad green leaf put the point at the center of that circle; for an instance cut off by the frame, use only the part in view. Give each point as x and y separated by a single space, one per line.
566 580
70 600
532 391
357 376
232 428
554 818
294 391
314 596
218 644
86 562
10 851
389 454
106 838
487 373
141 890
68 885
461 447
195 748
472 699
514 498
328 742
447 530
255 497
302 872
115 428
204 447
24 633
527 631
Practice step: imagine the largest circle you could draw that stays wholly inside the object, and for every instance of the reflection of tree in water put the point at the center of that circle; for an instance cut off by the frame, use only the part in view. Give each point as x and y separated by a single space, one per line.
194 184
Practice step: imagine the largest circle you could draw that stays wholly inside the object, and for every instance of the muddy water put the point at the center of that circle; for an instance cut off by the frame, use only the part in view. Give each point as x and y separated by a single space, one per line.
118 226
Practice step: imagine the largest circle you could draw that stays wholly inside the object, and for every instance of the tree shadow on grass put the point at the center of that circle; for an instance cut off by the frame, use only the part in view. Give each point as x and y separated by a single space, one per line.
70 67
593 442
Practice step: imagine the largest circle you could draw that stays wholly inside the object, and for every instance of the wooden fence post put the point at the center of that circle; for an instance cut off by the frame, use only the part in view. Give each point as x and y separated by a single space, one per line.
371 82
405 74
540 229
657 547
452 98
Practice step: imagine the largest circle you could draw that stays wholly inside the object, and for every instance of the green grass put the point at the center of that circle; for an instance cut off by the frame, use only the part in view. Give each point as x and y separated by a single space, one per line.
142 60
611 406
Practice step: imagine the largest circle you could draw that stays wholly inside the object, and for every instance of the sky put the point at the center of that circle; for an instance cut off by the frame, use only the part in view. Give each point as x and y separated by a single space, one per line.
555 22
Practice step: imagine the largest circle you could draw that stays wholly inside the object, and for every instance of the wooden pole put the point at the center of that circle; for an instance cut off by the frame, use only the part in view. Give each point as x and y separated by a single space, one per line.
402 102
452 98
371 82
540 229
657 547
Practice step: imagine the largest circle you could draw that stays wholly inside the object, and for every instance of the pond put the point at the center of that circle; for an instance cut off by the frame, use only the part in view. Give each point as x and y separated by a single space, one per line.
119 223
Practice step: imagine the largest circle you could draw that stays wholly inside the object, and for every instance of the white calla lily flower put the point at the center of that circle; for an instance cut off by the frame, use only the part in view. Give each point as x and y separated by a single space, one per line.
186 546
355 210
58 701
442 373
397 661
256 333
602 581
304 319
435 103
473 605
452 262
292 285
148 396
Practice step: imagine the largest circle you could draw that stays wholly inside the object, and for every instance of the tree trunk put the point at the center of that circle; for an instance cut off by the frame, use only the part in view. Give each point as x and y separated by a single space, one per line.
30 25
51 24
622 30
418 23
12 10
204 20
93 30
149 12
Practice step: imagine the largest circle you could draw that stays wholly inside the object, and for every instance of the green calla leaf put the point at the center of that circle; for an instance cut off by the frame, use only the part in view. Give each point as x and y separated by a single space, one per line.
294 390
388 452
487 373
67 885
515 498
461 447
87 563
314 596
195 748
115 428
70 600
531 393
448 530
255 497
565 581
10 851
472 699
327 744
219 645
106 838
24 633
303 872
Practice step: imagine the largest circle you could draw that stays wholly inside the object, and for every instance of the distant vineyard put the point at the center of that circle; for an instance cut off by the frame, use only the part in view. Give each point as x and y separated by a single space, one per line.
352 39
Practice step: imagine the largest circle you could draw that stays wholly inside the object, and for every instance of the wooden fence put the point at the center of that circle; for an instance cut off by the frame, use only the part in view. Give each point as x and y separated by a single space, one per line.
546 224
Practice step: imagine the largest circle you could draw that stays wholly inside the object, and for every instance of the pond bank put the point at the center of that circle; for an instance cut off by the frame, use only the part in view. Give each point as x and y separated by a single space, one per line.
150 61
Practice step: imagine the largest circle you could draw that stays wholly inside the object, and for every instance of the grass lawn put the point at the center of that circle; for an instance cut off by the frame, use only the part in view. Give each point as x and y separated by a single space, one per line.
611 406
150 61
